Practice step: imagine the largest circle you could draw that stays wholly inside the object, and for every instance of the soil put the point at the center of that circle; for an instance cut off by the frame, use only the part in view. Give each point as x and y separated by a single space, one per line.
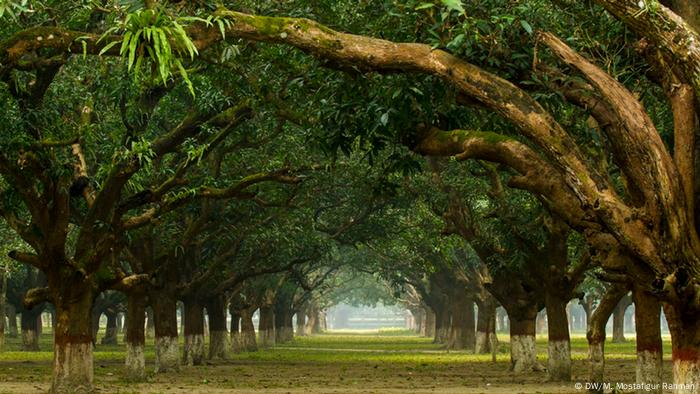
268 376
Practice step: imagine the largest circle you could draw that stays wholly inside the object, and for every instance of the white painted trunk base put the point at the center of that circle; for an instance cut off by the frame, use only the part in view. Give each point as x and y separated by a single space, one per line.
596 363
194 349
649 370
483 342
686 377
559 361
523 355
135 363
167 357
218 343
72 369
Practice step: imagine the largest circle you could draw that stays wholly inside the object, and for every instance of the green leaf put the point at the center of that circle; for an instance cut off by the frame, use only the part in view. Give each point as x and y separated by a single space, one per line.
526 26
384 119
125 43
185 77
454 5
424 6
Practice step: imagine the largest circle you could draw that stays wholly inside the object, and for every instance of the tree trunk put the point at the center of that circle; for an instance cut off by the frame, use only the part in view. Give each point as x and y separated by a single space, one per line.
419 317
248 342
559 342
541 322
72 357
193 353
96 314
462 334
485 326
165 320
442 324
3 302
30 329
429 323
301 324
322 322
266 326
110 337
501 320
685 337
284 327
284 324
312 325
150 324
236 340
121 325
217 328
135 362
619 319
11 312
647 311
523 352
595 334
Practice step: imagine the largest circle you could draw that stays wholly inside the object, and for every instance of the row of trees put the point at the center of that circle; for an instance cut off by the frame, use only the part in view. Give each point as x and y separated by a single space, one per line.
189 152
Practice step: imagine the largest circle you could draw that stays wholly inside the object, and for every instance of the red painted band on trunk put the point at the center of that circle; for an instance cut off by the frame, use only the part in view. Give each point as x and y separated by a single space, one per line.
686 355
649 347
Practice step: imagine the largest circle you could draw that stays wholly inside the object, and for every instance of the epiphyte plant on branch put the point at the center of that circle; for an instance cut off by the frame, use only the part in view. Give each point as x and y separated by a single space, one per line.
153 34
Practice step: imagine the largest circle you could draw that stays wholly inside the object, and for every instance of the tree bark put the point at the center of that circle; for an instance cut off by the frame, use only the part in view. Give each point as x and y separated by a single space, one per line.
193 353
150 324
165 320
523 351
3 302
647 316
135 362
430 320
284 327
461 332
72 360
266 326
619 319
301 323
30 329
485 326
110 337
217 328
685 335
501 320
442 324
312 324
596 334
11 312
559 342
236 340
248 341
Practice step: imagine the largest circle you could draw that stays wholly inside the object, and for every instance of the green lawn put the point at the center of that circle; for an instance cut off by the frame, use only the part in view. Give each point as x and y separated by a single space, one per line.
385 361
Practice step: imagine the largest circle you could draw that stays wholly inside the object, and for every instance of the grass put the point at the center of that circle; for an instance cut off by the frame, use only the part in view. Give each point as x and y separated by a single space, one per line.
386 360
